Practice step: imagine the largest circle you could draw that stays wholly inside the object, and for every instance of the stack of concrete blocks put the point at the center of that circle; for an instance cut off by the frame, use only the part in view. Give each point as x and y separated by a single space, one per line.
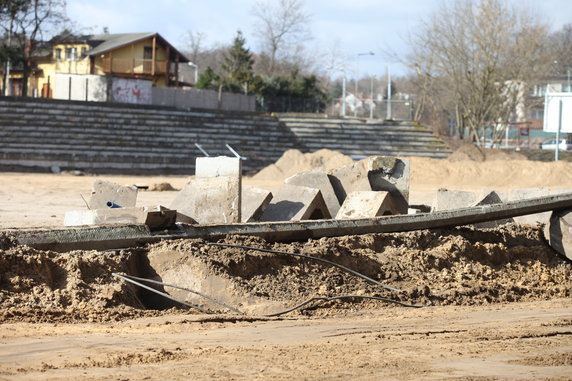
376 186
213 196
453 199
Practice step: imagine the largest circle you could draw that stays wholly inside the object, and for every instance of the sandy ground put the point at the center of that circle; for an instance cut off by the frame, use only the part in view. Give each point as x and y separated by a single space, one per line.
469 337
515 341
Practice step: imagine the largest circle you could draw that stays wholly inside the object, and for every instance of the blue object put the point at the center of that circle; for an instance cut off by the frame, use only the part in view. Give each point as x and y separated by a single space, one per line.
111 204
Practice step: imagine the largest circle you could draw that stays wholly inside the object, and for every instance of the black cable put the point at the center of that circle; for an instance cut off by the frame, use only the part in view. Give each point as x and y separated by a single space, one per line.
346 269
125 278
328 299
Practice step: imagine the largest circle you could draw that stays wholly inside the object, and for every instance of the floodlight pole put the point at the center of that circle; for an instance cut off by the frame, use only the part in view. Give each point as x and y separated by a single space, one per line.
344 95
388 117
557 150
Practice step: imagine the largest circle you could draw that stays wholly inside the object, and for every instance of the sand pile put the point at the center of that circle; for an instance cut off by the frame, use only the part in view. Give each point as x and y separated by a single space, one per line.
459 266
294 161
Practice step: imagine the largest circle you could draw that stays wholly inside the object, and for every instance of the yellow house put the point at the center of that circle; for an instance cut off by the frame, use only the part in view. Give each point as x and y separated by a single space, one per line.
128 55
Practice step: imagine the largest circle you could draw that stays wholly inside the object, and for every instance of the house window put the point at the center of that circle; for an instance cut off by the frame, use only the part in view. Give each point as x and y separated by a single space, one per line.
147 52
71 54
83 51
58 54
566 88
539 90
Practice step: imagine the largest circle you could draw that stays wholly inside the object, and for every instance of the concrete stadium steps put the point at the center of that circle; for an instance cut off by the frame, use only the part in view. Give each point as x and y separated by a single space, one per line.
357 137
40 134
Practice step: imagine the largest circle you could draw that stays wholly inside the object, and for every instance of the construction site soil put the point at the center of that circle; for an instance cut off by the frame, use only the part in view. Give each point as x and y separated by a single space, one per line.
493 303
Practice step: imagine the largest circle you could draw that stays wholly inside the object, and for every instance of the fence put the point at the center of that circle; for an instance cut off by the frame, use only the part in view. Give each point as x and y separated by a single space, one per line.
364 108
290 104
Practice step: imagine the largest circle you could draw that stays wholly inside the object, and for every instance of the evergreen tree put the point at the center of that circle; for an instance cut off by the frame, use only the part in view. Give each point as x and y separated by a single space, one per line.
208 80
238 76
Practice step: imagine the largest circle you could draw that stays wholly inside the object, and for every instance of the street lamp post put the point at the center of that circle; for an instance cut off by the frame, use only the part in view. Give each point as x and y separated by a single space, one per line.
370 53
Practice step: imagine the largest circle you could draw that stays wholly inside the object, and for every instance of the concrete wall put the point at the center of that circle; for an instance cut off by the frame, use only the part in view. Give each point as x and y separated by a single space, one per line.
98 88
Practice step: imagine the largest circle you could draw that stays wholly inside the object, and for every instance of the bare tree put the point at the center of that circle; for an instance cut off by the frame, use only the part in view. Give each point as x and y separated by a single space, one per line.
281 27
26 22
561 50
477 56
194 44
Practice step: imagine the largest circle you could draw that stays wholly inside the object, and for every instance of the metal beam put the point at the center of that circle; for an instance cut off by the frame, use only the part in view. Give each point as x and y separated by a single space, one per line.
118 236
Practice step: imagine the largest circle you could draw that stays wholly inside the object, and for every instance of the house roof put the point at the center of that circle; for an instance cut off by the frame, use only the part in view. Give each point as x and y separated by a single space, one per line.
104 43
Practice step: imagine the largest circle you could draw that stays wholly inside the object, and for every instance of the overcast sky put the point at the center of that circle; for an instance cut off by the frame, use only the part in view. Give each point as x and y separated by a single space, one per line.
353 26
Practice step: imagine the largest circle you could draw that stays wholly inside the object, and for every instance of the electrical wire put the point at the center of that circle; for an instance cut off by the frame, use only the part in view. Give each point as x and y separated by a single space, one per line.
346 269
328 299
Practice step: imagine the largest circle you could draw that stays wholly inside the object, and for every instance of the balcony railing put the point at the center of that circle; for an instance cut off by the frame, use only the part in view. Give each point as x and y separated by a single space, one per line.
133 66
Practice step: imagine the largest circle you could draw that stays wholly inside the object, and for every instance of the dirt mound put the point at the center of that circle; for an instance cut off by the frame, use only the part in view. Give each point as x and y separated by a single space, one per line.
461 266
294 161
470 152
48 286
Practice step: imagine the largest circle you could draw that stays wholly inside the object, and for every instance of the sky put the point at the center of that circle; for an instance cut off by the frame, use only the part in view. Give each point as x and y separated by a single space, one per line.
351 28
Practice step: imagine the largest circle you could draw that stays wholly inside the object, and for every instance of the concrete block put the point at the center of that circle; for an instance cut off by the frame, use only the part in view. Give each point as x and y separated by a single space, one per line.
348 179
105 191
390 174
156 217
558 232
377 173
452 199
218 166
317 178
214 200
294 203
254 202
366 204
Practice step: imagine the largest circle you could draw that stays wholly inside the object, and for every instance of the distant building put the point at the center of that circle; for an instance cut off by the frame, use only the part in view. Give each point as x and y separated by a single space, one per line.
145 56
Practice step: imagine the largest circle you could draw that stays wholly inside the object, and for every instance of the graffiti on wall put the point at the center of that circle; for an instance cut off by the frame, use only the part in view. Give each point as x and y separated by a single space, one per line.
131 91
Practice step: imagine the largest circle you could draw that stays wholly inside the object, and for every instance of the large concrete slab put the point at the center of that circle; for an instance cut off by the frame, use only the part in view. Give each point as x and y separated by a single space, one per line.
254 202
317 178
102 237
391 174
295 203
210 200
156 217
367 204
106 191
